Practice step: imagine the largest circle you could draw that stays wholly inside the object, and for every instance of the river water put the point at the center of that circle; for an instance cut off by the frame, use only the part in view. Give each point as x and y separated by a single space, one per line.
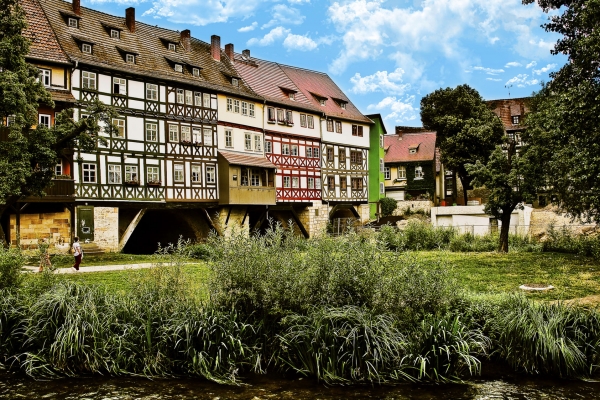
267 388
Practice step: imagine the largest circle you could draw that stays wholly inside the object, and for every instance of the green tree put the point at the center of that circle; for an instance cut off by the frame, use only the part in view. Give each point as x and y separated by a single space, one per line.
28 153
563 129
467 130
388 206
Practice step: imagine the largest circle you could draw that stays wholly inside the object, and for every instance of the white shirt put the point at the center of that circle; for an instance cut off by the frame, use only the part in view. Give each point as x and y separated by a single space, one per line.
76 249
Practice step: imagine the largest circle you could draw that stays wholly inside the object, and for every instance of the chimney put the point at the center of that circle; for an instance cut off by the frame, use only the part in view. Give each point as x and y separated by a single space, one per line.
229 51
215 47
129 19
399 131
185 40
246 54
77 7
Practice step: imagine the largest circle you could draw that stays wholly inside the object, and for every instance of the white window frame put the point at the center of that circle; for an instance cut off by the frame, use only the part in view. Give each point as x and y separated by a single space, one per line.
311 183
178 173
173 133
257 142
228 138
244 108
211 174
196 72
178 68
247 141
151 132
180 96
120 86
152 174
198 99
310 121
295 182
89 173
131 173
229 104
419 174
251 110
130 58
318 183
285 149
88 80
387 173
86 48
196 135
46 77
268 147
287 182
73 22
196 173
401 171
206 99
303 120
151 91
308 152
120 124
172 47
236 106
235 82
294 150
185 133
255 177
114 176
207 136
189 98
42 120
115 34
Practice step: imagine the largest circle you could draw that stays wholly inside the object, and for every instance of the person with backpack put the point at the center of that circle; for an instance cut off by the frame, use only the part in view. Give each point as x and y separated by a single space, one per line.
77 253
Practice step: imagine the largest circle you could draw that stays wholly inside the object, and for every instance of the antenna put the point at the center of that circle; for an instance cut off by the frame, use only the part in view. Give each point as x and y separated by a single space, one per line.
508 87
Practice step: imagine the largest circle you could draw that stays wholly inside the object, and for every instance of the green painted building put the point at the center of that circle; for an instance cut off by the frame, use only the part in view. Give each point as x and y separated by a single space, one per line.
376 164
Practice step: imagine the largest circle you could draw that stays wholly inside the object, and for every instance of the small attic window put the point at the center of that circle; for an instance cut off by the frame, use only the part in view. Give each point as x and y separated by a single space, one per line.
86 48
235 82
322 102
196 72
172 47
73 22
412 151
178 68
343 106
292 96
115 34
516 119
130 58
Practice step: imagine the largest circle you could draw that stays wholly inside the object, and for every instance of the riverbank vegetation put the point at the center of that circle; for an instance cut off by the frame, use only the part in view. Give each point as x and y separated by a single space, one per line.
340 310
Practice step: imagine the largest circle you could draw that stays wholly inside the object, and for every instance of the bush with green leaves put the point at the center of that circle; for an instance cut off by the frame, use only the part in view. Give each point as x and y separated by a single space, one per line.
11 264
388 206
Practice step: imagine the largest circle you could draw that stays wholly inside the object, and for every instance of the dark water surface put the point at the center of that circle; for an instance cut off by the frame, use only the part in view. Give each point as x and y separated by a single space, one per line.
259 388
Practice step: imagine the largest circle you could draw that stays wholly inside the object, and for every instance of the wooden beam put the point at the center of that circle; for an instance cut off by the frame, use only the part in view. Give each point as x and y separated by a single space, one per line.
132 225
299 223
211 223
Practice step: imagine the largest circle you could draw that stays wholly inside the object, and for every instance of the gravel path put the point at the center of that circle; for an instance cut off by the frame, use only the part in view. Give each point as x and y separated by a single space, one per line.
96 268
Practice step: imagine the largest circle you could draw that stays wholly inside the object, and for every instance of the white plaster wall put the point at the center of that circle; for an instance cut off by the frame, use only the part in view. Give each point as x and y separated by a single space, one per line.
238 118
104 84
135 128
76 79
345 137
136 89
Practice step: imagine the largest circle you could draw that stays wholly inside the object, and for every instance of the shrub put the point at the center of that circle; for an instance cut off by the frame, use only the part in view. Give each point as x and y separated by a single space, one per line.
201 251
388 206
11 263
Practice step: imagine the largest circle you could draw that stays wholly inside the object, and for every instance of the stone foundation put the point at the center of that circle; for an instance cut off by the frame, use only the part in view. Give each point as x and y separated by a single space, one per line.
55 227
236 216
315 218
414 205
106 228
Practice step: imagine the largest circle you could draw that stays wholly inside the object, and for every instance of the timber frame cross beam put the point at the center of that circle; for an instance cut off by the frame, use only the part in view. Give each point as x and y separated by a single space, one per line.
294 215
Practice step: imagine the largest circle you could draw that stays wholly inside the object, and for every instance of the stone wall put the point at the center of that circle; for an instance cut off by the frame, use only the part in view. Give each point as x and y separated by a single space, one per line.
364 210
315 218
53 226
236 216
542 219
414 205
106 228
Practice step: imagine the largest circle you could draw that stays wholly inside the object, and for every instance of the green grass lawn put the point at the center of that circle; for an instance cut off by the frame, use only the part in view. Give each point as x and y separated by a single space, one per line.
573 276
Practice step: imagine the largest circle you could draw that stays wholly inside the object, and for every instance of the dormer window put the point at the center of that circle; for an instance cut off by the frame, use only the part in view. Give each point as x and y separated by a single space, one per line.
343 106
172 47
178 68
73 22
322 102
412 151
516 119
235 82
86 48
130 58
196 72
292 96
115 34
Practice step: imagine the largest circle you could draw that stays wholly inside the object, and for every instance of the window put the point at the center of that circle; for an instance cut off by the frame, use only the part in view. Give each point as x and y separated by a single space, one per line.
189 98
402 172
357 183
235 82
114 174
412 150
255 177
152 174
178 68
44 120
268 147
356 157
419 172
119 86
251 110
294 149
198 99
172 47
151 132
229 105
309 152
330 154
206 100
45 77
228 139
88 80
357 130
86 48
58 168
329 125
286 182
381 141
115 34
236 106
186 135
244 108
120 125
343 106
210 174
73 22
342 156
207 135
315 152
311 183
195 173
131 173
381 165
151 91
515 119
173 133
360 131
271 114
343 183
295 181
10 120
178 173
196 135
196 72
88 173
247 141
244 176
386 173
381 188
289 119
285 149
322 102
280 116
311 121
338 127
303 120
331 182
180 96
257 143
292 96
317 183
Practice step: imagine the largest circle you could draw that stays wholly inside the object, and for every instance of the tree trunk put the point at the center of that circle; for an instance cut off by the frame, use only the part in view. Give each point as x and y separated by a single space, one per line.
504 230
466 182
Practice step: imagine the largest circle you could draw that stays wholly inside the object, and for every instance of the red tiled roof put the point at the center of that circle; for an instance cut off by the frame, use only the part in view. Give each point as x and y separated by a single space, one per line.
507 108
398 147
234 158
313 83
62 95
44 44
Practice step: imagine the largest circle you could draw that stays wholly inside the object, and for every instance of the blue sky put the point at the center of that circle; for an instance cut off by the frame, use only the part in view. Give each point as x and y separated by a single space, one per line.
385 55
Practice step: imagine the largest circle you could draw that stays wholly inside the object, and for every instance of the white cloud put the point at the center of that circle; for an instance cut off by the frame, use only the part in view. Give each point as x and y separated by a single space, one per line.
248 28
521 81
513 64
489 71
270 38
531 64
284 15
209 11
298 1
543 70
298 42
380 81
398 110
493 79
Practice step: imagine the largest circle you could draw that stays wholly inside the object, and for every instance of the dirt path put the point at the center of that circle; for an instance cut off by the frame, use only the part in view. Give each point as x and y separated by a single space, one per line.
96 268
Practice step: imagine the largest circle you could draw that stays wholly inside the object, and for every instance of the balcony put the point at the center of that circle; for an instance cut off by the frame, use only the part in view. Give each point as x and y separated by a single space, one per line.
59 190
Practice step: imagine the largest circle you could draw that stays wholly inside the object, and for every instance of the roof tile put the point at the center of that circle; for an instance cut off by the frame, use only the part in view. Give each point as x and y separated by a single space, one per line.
398 147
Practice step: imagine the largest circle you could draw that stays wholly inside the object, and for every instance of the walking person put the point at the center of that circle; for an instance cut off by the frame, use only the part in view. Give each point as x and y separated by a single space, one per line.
77 253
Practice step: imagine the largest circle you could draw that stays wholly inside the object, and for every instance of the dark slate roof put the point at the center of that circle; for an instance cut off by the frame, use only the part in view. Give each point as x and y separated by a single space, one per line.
398 146
148 42
235 158
315 85
44 44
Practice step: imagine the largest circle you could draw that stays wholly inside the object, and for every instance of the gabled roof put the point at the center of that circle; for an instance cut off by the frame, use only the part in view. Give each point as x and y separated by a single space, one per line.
235 158
505 109
317 85
398 147
148 42
44 44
